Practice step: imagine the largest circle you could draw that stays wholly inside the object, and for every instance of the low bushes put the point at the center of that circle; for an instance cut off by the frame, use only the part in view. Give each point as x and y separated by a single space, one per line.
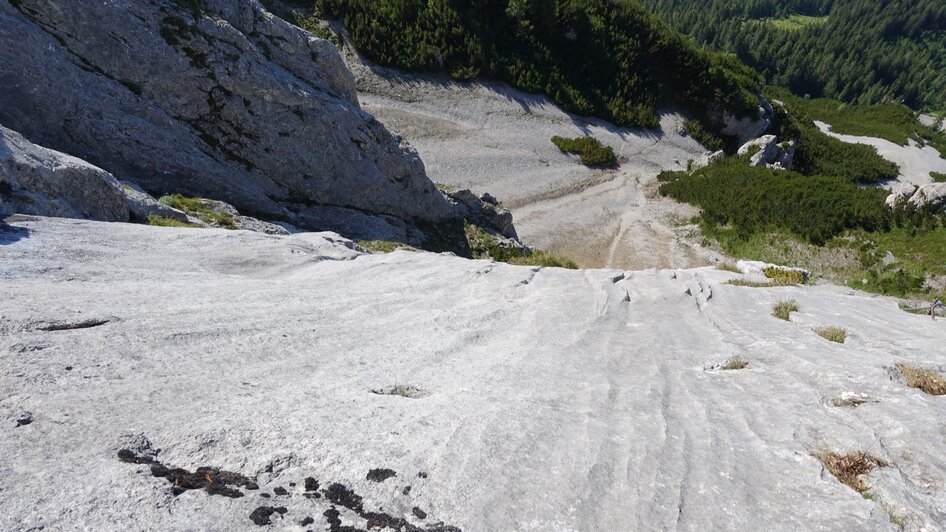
832 334
784 308
590 149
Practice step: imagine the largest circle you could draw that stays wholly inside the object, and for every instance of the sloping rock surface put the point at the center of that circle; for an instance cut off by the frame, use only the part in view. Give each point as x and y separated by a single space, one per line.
35 180
151 377
229 103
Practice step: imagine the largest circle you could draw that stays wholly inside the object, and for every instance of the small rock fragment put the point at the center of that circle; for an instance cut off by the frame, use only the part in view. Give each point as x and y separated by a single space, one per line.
418 513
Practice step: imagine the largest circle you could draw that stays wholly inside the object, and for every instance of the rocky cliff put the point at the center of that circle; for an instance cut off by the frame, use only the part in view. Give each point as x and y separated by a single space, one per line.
225 101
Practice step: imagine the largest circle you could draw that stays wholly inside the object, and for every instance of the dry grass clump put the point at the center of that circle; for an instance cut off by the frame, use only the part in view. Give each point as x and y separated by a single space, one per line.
923 379
784 308
783 277
750 283
735 363
833 334
728 267
849 468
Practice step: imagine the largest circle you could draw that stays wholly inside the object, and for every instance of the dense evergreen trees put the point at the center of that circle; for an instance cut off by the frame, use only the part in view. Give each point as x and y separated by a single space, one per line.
863 51
606 58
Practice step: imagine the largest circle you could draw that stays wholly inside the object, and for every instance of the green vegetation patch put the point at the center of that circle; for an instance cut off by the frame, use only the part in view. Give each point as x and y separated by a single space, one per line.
707 138
796 22
605 58
163 221
201 209
938 177
484 245
382 246
784 277
590 149
752 199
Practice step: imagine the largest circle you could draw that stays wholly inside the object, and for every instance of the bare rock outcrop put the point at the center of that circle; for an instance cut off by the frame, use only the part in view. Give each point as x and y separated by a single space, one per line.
229 103
35 180
768 151
931 196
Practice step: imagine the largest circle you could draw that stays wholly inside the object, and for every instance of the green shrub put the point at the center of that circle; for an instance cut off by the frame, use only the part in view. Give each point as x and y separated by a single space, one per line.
382 246
752 199
783 277
708 139
938 177
484 245
200 209
163 221
590 149
606 58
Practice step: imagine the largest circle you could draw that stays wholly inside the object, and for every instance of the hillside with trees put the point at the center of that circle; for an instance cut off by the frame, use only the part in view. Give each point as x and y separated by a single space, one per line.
857 51
605 58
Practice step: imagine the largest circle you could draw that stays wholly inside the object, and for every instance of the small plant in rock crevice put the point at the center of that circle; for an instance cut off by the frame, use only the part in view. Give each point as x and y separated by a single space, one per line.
784 308
833 334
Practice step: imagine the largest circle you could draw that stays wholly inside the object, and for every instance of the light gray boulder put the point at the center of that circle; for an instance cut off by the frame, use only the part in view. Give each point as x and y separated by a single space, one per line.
484 210
932 196
768 151
232 104
35 180
900 193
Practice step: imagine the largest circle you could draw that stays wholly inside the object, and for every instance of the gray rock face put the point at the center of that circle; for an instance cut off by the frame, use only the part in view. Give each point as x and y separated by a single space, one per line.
36 180
234 104
142 205
768 151
932 195
748 127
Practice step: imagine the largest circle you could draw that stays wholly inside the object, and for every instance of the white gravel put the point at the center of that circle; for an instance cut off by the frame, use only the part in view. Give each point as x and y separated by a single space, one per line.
916 162
544 399
492 138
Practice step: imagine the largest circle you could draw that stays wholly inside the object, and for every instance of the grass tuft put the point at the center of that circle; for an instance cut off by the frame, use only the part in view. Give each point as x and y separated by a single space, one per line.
382 246
735 363
163 221
850 468
750 283
923 379
200 209
833 334
728 267
485 245
784 308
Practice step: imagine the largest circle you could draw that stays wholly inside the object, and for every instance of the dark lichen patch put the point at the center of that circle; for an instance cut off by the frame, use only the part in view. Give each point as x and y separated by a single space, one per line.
261 516
279 490
25 418
69 326
210 479
418 513
380 475
310 484
307 521
342 496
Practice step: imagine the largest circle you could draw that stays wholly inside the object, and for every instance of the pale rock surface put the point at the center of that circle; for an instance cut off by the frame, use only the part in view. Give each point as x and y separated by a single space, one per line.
769 152
36 180
932 195
746 128
915 162
530 399
900 192
237 105
487 136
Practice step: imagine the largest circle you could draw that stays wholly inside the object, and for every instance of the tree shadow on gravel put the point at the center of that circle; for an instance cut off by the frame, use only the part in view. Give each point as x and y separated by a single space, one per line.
11 233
